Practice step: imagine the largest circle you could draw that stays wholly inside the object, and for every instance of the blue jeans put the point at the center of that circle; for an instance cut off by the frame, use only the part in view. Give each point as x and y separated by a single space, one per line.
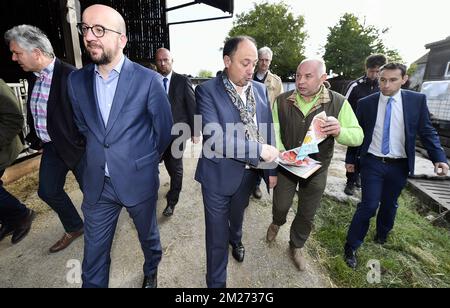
11 209
52 178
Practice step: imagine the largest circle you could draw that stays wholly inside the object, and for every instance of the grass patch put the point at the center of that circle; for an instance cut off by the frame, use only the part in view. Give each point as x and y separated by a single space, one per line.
417 253
26 191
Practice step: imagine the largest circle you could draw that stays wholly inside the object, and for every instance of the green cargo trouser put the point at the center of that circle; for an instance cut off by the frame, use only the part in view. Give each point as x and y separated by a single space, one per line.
309 196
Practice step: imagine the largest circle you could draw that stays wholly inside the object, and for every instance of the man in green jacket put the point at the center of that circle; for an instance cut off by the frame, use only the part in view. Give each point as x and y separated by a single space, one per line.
16 219
293 113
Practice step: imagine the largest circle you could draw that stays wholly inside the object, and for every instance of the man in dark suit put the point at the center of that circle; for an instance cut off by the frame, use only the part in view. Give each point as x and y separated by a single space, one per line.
357 89
182 100
237 136
122 110
15 218
52 128
391 120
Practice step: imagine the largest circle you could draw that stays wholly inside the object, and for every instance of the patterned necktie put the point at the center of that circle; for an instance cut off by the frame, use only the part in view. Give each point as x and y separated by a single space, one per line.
165 80
387 127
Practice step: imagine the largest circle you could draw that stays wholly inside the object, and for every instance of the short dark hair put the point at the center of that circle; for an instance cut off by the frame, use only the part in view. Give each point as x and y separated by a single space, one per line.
376 60
394 66
231 44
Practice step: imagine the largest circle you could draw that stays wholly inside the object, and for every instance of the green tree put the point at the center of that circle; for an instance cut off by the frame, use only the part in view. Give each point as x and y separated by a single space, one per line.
412 69
349 43
205 74
273 25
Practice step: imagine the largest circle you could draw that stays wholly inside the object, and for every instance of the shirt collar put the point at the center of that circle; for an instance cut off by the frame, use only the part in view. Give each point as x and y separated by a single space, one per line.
261 76
244 88
322 95
47 70
117 68
397 97
169 76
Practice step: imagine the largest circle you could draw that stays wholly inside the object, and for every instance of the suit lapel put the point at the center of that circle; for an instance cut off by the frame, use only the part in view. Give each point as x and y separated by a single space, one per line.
92 102
406 114
173 81
259 105
372 115
225 98
123 87
55 89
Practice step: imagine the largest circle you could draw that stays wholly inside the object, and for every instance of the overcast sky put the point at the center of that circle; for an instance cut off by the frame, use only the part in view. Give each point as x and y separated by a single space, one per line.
412 25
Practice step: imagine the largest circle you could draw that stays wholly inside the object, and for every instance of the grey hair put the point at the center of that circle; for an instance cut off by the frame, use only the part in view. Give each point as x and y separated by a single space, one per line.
29 38
322 68
265 51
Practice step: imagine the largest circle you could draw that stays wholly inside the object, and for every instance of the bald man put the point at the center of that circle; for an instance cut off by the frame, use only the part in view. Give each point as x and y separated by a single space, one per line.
182 100
293 113
127 128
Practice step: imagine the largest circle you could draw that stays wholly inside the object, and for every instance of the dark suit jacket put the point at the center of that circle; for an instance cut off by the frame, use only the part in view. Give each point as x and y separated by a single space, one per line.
69 143
135 137
182 100
223 172
417 122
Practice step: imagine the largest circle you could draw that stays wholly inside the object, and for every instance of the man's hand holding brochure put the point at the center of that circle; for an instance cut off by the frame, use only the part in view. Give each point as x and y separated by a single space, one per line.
297 161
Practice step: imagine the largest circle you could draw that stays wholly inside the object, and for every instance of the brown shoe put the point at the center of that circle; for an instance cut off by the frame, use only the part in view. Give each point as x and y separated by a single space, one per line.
272 232
299 259
66 240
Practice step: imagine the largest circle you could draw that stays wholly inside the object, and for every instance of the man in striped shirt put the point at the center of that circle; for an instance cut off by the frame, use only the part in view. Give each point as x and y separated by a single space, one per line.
51 122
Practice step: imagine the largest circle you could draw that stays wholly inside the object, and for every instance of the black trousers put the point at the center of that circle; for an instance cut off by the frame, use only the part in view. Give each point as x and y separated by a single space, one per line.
174 166
11 209
352 177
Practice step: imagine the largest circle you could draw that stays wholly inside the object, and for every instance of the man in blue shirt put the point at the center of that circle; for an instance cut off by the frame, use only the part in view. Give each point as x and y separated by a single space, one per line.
391 120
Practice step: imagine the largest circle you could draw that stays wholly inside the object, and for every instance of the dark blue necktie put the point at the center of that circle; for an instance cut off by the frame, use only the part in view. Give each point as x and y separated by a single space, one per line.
387 127
165 80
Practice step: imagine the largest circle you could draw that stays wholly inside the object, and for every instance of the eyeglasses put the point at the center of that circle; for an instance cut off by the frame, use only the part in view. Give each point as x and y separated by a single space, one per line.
97 30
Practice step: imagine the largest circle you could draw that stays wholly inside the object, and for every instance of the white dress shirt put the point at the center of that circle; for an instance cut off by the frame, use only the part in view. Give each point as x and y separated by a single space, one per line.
397 129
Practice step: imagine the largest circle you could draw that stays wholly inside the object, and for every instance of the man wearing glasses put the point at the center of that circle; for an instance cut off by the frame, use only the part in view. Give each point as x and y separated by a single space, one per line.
124 113
52 128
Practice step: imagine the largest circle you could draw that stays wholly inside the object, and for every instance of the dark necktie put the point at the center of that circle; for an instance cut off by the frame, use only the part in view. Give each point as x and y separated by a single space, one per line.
165 80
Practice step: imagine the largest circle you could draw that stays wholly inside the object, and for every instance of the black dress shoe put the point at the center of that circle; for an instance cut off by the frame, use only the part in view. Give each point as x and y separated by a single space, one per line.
358 182
257 193
379 240
23 227
238 252
150 282
5 231
349 189
168 211
350 257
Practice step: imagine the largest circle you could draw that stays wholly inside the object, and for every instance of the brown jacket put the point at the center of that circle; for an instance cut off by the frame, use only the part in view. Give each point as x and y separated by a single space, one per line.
274 87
